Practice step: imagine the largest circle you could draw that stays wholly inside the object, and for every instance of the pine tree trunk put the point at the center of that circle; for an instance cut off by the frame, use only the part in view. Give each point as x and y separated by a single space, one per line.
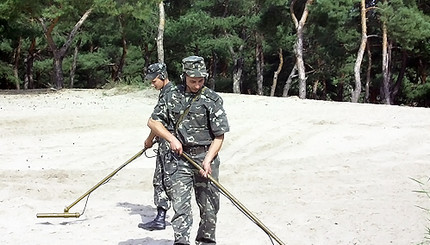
385 66
147 53
58 71
17 54
29 62
259 60
73 69
117 74
237 75
300 64
369 72
275 75
396 87
58 54
237 68
288 82
315 89
122 60
357 68
340 86
212 71
298 49
160 37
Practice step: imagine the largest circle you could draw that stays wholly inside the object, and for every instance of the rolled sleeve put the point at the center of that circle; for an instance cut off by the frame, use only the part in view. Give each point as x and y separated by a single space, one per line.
160 112
218 119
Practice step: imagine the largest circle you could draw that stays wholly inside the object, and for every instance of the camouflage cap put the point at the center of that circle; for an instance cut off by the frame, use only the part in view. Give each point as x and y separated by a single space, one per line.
194 66
154 70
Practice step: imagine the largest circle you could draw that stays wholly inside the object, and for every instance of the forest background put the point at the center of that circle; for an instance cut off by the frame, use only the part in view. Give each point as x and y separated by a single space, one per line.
368 51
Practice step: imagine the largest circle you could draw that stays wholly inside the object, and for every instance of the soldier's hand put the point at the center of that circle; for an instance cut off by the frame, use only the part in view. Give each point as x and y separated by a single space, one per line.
207 170
176 146
148 143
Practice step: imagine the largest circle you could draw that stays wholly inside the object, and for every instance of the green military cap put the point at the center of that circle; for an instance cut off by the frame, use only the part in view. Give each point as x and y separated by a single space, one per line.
154 70
194 66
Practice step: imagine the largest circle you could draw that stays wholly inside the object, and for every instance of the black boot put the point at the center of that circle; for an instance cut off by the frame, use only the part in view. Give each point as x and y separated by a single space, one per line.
159 223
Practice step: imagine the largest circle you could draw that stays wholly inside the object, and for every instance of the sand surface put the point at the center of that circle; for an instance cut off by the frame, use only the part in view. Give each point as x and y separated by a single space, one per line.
313 172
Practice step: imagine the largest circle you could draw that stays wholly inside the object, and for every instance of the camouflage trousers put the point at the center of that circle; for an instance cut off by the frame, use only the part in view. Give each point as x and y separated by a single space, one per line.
182 178
161 199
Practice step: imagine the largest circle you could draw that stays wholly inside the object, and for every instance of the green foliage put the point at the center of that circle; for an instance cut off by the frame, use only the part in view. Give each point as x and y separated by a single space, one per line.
189 30
135 63
407 24
93 61
333 43
43 72
7 79
416 94
212 29
6 46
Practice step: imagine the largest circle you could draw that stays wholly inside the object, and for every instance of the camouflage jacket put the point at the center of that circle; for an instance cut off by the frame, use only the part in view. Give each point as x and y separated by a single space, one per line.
205 120
165 93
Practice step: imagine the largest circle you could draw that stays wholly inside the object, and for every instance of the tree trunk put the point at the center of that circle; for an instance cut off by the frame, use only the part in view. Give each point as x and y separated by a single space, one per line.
276 74
289 80
385 66
29 62
324 89
259 60
212 71
117 74
58 54
17 54
237 69
73 68
368 73
58 71
237 75
160 38
298 49
340 85
357 68
396 87
146 54
301 65
421 72
315 89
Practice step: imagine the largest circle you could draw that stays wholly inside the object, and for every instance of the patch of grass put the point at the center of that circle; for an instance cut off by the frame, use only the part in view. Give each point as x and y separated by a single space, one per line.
115 88
425 190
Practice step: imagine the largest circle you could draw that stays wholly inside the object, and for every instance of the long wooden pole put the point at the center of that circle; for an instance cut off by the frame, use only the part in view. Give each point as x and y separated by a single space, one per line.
66 213
233 199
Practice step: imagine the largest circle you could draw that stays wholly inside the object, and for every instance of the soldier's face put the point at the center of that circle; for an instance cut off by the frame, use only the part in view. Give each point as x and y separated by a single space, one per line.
194 84
157 83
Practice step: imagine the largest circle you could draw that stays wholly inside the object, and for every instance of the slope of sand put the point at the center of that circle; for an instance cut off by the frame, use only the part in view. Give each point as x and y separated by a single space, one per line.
313 172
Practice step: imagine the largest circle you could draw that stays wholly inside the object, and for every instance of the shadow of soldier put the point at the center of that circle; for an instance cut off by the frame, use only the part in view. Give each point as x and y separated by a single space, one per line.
146 241
146 212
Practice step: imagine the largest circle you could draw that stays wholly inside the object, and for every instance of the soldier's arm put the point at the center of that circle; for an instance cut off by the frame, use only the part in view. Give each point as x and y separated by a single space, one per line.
150 139
161 131
214 148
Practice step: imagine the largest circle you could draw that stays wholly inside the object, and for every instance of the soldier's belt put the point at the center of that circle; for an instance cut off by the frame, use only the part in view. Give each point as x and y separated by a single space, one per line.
195 150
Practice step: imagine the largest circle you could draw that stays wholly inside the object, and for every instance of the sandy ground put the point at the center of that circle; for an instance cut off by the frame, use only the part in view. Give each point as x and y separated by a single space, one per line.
313 172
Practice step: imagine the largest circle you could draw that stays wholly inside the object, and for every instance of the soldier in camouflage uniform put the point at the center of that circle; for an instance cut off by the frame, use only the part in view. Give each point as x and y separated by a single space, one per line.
157 75
197 115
